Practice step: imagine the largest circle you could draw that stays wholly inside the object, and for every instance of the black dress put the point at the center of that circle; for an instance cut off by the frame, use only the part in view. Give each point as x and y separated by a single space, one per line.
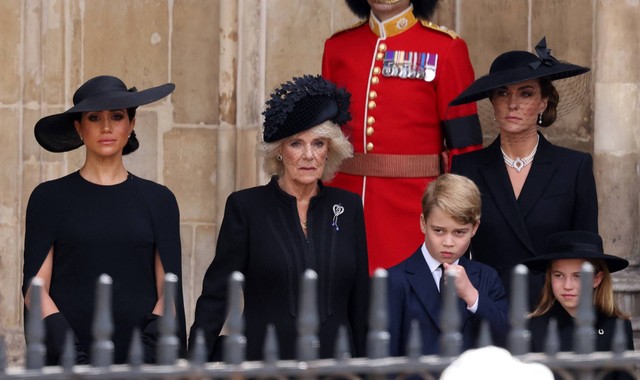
558 195
261 237
98 229
604 331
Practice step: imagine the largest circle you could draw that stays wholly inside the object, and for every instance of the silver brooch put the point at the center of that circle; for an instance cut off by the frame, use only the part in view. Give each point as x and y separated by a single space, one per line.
337 211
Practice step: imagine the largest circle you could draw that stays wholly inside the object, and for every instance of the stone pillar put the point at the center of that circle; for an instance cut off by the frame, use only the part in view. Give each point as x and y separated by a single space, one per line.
251 89
226 169
616 147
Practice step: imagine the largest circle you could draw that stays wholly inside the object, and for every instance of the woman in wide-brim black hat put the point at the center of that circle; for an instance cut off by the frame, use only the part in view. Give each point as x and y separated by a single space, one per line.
99 220
562 265
531 188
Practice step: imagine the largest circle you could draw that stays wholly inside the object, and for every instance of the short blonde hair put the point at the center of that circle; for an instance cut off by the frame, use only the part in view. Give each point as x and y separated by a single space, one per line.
339 149
456 195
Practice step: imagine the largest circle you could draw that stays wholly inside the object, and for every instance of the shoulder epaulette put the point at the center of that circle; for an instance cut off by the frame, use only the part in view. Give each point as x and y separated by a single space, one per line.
357 24
439 28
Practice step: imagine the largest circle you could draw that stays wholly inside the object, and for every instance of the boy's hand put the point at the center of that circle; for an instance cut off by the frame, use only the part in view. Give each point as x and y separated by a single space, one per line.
464 287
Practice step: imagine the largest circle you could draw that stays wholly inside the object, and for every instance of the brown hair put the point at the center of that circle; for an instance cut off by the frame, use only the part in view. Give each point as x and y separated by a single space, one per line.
603 300
548 90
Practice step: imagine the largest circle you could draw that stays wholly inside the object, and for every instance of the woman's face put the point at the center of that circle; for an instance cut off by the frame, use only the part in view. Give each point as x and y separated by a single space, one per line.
105 133
565 282
304 156
516 106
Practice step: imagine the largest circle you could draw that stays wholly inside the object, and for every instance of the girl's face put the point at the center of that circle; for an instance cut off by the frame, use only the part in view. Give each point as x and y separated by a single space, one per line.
516 106
105 133
304 156
565 282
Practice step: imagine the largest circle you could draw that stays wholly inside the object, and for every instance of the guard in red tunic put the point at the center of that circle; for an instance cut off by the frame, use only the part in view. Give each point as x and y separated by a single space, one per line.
402 72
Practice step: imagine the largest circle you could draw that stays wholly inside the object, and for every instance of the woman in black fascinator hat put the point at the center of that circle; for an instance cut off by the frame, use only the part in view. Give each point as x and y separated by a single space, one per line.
273 233
530 187
101 219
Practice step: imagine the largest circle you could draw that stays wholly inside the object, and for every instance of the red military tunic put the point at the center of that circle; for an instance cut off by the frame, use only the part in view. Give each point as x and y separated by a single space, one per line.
400 122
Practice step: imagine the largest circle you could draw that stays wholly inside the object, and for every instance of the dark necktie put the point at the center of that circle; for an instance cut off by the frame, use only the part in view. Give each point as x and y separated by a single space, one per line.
441 278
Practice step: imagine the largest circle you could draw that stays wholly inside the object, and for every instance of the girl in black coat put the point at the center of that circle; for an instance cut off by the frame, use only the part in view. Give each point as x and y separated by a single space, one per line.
566 253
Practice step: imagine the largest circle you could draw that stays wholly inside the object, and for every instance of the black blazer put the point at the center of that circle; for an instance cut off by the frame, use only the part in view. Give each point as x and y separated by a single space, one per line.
558 195
604 329
261 237
413 295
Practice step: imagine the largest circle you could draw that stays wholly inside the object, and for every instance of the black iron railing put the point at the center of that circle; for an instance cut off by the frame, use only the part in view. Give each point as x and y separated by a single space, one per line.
581 364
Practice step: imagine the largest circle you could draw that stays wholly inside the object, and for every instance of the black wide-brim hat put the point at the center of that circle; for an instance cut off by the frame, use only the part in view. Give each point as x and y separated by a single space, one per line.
575 245
303 103
56 133
518 66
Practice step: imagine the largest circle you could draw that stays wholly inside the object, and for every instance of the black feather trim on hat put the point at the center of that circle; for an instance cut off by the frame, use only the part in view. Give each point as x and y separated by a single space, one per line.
303 103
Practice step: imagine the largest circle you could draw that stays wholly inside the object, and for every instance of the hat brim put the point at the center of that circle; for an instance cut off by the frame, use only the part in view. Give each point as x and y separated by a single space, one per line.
56 133
484 86
540 263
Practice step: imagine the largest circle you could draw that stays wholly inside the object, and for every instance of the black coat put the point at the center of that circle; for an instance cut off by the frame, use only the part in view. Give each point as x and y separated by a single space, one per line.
604 332
261 237
558 195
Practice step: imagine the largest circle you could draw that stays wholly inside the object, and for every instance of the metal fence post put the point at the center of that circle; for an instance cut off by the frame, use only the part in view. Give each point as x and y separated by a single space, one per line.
168 344
35 327
519 338
584 337
102 346
235 344
378 335
308 342
451 337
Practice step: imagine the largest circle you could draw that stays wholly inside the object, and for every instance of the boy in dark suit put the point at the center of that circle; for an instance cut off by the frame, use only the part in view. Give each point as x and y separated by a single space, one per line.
450 217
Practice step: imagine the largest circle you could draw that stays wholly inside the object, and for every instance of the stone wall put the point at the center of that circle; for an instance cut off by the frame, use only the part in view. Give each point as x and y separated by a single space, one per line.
226 55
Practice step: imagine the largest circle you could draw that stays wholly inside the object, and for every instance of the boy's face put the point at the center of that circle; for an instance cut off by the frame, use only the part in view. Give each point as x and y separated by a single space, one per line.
445 238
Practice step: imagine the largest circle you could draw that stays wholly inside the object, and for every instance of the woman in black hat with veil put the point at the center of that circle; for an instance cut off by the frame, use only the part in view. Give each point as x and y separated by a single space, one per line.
101 219
530 187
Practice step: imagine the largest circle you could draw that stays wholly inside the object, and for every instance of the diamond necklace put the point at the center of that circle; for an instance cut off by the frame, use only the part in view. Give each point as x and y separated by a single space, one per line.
520 163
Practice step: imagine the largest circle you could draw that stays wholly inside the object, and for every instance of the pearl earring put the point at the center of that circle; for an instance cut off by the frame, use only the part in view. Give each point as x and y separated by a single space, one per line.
539 122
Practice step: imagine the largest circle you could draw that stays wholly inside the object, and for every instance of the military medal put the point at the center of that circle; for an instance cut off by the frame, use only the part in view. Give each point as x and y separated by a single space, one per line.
413 58
430 69
387 67
406 65
423 59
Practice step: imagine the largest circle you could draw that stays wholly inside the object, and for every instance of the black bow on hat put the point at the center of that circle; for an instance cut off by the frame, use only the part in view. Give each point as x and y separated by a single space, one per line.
56 133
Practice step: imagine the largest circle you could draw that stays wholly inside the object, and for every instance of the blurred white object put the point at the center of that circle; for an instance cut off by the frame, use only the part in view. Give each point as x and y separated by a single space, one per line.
493 363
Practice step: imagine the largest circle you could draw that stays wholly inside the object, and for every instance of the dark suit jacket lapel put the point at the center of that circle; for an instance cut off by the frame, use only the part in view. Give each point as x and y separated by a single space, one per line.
540 174
422 282
497 180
